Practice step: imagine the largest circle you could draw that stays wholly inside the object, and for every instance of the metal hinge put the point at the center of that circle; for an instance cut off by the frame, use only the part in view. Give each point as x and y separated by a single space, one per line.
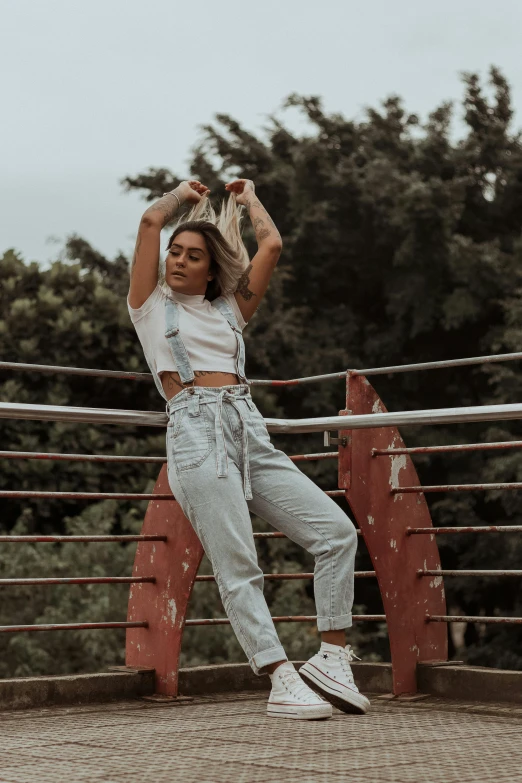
329 441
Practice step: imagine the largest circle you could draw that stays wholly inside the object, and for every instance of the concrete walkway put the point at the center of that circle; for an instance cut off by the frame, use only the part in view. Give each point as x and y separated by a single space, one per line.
229 739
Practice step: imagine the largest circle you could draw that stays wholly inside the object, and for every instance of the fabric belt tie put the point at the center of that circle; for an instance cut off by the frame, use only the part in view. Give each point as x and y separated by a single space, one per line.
221 450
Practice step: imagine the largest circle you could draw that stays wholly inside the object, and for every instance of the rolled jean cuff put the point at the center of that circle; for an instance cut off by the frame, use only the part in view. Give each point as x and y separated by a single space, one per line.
265 657
334 623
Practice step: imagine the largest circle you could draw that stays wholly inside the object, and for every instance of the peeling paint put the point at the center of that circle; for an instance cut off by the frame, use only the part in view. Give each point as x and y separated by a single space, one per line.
398 463
173 609
185 567
187 551
371 520
376 407
393 544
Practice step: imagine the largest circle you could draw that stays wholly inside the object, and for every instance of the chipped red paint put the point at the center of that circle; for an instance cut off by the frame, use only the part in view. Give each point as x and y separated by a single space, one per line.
383 519
163 605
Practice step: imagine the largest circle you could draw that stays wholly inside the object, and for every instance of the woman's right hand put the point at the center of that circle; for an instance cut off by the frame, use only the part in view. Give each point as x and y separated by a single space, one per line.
192 190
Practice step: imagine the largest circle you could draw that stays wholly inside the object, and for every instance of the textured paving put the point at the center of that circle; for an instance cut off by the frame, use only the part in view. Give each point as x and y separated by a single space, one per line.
230 740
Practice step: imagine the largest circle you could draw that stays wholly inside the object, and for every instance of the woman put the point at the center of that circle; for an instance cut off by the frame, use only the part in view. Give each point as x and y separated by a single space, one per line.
221 463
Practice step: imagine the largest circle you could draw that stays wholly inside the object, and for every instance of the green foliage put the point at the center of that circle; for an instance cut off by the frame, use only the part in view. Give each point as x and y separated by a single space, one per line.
400 245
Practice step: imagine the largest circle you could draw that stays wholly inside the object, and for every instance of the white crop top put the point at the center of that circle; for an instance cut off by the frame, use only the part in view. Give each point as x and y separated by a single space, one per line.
207 336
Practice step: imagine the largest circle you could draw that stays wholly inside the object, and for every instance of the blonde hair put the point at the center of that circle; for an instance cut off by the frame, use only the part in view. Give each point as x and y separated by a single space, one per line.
222 233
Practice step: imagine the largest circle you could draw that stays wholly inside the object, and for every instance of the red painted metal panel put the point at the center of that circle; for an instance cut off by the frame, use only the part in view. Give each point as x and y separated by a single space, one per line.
383 519
162 605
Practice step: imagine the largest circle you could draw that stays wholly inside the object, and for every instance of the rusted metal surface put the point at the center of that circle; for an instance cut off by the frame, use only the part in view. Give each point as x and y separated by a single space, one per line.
467 572
163 605
211 577
7 493
383 519
455 487
449 618
77 457
126 376
75 539
508 444
472 529
369 618
320 456
77 580
69 626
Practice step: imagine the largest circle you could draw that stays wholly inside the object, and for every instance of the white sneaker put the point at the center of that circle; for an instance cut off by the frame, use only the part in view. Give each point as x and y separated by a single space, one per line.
329 673
290 697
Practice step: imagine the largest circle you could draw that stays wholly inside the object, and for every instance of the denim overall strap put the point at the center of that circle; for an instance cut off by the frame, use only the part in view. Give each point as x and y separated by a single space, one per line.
176 345
224 308
221 449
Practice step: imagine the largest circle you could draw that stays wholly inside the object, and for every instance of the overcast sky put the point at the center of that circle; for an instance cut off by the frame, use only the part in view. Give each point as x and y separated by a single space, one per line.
93 91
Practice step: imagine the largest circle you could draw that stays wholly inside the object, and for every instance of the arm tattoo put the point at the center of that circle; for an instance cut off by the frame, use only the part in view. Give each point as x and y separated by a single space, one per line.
167 206
242 285
261 231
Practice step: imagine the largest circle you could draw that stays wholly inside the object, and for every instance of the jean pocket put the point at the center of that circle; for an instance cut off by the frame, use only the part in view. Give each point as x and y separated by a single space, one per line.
188 438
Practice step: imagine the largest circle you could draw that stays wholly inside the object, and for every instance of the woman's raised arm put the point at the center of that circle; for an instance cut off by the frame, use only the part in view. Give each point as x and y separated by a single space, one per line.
256 277
144 268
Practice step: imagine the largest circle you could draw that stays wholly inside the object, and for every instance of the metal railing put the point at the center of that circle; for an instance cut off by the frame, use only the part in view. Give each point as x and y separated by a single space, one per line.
366 433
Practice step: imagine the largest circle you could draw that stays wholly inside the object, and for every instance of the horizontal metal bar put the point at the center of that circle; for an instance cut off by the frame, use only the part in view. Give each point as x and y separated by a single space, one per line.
73 415
310 457
278 535
127 376
77 580
455 488
469 529
144 376
117 458
10 410
35 494
12 493
77 457
443 618
397 419
75 539
499 357
69 627
509 444
445 572
379 618
212 578
335 493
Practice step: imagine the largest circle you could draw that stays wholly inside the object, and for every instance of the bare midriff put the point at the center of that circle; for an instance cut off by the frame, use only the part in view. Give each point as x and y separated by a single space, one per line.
172 384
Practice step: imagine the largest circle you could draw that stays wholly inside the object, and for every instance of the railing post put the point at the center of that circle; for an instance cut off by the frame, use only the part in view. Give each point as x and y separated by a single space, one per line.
162 604
383 519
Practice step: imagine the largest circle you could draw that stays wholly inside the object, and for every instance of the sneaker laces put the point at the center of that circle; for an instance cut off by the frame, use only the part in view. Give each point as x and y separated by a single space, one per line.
294 682
346 657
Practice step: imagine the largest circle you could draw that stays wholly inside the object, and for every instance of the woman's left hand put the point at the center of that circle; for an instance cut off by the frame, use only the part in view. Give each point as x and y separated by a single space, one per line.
243 188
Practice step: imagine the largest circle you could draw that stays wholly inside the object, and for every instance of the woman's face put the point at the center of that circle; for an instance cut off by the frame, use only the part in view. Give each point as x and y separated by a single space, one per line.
187 264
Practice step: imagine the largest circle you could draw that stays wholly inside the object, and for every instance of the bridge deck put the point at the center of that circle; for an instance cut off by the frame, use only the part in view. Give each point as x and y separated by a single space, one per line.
229 738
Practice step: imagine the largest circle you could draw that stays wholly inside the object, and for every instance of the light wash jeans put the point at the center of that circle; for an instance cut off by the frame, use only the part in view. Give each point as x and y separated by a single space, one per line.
221 466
